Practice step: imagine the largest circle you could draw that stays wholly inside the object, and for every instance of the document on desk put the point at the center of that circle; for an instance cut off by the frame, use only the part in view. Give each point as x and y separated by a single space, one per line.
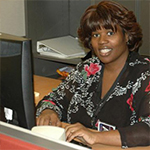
66 47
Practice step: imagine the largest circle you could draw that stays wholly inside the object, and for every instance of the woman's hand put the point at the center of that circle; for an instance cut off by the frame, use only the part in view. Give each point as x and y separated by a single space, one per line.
82 133
48 117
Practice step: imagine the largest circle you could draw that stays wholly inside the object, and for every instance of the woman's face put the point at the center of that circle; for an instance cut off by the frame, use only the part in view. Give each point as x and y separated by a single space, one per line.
110 46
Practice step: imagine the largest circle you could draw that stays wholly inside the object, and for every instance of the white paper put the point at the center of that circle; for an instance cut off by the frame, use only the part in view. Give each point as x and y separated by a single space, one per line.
8 113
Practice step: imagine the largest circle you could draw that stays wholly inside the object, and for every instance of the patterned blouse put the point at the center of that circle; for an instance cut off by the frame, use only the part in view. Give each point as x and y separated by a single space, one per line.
125 106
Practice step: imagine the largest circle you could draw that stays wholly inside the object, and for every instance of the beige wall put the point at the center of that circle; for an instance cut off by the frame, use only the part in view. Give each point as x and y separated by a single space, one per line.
12 17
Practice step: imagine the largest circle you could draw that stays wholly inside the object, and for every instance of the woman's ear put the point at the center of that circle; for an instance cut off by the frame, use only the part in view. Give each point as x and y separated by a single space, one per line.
126 37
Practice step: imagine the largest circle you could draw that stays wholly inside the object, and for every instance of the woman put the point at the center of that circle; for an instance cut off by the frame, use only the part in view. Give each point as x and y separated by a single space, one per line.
112 88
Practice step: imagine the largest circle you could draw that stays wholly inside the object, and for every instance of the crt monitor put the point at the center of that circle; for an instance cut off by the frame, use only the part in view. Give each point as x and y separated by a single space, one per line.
16 78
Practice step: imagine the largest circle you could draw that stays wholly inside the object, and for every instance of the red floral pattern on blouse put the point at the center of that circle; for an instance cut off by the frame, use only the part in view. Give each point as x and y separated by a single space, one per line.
143 118
148 88
147 59
130 101
92 69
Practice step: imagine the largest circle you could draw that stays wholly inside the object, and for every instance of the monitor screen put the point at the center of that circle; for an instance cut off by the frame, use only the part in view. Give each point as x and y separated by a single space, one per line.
16 78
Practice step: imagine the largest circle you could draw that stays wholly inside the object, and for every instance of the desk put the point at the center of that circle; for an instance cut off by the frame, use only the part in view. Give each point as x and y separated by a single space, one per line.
44 85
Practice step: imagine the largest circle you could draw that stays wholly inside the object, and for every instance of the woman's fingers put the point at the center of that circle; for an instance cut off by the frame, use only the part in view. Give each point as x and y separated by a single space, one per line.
48 117
82 133
73 130
72 135
43 120
55 121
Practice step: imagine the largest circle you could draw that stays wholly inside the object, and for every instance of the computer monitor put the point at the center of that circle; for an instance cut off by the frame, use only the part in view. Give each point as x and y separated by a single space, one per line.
16 78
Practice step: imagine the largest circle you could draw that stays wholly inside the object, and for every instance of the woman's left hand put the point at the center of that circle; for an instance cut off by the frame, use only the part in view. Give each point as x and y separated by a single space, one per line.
77 130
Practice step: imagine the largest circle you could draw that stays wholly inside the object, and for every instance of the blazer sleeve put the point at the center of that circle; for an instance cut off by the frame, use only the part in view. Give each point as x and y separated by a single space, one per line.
58 100
138 134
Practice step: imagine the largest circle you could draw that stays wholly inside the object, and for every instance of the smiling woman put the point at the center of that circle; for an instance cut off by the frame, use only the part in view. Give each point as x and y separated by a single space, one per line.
108 15
111 89
110 46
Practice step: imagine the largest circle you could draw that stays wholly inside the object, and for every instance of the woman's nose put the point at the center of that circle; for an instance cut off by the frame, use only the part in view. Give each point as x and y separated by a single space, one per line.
103 39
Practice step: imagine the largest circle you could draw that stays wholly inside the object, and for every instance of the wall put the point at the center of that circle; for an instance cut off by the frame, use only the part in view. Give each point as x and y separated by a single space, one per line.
144 20
46 19
12 17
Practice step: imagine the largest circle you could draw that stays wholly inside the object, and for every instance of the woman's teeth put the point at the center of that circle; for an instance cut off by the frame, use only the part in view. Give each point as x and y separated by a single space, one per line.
105 50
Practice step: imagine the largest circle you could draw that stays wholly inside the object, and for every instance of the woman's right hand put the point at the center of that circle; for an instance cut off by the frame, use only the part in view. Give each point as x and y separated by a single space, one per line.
48 117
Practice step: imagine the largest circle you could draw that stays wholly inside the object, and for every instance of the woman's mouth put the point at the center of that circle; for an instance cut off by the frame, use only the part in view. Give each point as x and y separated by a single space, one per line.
105 52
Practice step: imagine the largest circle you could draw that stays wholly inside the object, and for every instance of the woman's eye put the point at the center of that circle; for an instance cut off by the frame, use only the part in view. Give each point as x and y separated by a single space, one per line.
96 35
110 33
